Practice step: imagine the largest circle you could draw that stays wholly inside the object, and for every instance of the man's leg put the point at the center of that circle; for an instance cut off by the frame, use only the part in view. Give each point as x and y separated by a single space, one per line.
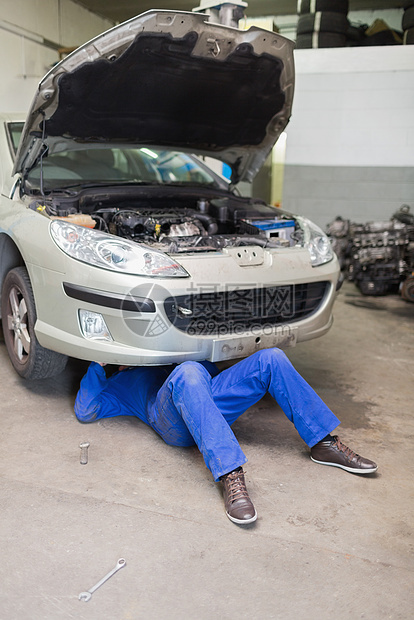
185 413
242 385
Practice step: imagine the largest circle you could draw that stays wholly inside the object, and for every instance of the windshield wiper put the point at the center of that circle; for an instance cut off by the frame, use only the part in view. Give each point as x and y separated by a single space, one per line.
91 184
188 184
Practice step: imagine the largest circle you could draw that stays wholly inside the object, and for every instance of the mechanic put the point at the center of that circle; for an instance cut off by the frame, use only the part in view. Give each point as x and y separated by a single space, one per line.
196 404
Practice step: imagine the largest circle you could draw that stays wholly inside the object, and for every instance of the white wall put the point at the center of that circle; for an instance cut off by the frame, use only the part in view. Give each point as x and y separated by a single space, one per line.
353 107
25 56
350 142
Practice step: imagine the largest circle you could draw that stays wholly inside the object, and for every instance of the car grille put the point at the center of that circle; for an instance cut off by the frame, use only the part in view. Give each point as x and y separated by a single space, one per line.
240 310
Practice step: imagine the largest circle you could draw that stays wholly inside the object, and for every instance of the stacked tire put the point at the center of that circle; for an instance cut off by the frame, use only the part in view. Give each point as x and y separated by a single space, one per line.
322 23
408 22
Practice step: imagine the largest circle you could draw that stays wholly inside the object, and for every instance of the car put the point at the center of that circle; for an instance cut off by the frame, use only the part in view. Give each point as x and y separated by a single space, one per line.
118 243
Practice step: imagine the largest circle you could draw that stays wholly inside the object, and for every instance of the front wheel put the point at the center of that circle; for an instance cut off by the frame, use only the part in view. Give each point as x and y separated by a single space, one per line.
18 312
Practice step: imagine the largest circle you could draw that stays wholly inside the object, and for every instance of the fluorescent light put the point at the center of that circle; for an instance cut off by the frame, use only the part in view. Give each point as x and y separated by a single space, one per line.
149 153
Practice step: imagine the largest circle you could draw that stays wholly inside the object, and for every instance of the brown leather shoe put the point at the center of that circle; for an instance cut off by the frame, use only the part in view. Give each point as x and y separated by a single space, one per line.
239 507
334 452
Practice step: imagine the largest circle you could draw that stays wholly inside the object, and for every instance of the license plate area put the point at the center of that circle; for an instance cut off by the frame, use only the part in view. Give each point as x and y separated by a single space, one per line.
281 337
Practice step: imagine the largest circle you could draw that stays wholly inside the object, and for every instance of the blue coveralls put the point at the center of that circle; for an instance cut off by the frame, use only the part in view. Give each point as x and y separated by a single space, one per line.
195 404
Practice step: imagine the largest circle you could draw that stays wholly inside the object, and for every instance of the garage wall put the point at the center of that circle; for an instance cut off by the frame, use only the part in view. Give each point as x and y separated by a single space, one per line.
350 143
30 33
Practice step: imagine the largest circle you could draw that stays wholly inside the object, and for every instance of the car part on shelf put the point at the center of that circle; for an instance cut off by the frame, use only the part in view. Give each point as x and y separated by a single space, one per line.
408 22
377 256
407 289
322 23
313 6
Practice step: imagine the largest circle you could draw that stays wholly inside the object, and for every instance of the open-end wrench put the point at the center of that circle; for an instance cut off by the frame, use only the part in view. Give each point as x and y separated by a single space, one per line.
85 596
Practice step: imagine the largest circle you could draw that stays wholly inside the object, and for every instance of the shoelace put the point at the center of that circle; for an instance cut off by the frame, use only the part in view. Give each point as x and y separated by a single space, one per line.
236 487
350 454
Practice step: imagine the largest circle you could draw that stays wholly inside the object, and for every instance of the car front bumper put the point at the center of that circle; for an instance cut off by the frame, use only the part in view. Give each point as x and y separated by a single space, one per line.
138 317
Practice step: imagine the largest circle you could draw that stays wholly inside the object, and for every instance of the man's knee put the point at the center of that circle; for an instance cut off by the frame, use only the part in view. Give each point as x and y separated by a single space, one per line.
190 372
272 356
272 362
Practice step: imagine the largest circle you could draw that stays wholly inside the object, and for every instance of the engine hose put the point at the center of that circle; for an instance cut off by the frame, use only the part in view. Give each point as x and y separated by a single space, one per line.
207 221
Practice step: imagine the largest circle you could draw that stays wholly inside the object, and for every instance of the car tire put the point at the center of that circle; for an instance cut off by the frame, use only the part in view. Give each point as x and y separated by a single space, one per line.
320 39
385 37
322 22
355 34
409 37
407 289
18 311
312 6
408 19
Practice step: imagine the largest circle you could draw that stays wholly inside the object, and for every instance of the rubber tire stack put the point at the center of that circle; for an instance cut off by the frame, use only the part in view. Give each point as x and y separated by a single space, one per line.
322 23
408 22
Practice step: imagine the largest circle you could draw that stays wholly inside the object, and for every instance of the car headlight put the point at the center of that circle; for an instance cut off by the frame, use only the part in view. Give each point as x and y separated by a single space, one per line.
109 252
316 242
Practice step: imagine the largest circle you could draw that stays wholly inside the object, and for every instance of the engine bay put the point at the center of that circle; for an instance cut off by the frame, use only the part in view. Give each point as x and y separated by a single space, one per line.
179 223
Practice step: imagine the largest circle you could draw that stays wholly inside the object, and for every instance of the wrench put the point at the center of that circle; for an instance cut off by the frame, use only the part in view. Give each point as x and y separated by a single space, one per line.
85 596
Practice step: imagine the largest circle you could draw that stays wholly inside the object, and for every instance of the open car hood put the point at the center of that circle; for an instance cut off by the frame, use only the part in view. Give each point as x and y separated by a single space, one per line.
172 80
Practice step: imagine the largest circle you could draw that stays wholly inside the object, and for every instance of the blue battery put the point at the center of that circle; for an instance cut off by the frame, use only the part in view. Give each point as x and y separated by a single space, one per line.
276 224
282 229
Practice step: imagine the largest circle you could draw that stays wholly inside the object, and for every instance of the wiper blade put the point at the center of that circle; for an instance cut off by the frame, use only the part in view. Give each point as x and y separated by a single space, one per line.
187 184
104 184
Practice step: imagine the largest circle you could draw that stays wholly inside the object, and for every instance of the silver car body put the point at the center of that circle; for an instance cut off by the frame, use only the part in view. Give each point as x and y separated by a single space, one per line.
243 292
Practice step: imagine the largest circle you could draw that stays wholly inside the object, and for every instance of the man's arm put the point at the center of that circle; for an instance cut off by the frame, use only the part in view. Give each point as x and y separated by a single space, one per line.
88 403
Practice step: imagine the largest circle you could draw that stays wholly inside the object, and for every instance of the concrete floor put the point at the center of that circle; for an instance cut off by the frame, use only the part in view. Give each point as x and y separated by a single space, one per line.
327 544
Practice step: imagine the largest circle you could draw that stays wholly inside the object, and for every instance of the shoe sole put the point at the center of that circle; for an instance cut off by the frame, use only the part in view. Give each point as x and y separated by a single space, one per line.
243 521
352 470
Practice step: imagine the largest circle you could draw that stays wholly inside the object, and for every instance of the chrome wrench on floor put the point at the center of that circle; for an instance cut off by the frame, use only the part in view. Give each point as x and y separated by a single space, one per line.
85 596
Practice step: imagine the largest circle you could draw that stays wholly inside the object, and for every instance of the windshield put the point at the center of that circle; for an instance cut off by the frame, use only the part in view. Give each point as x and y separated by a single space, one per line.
120 165
15 131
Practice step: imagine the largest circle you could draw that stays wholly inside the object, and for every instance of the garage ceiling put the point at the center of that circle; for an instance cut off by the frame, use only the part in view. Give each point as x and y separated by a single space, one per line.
120 10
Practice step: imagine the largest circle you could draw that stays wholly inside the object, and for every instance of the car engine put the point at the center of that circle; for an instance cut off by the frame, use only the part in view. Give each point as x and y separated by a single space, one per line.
377 256
180 224
172 229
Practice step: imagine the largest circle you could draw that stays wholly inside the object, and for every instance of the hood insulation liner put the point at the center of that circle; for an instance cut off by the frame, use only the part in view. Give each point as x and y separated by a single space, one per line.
157 92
